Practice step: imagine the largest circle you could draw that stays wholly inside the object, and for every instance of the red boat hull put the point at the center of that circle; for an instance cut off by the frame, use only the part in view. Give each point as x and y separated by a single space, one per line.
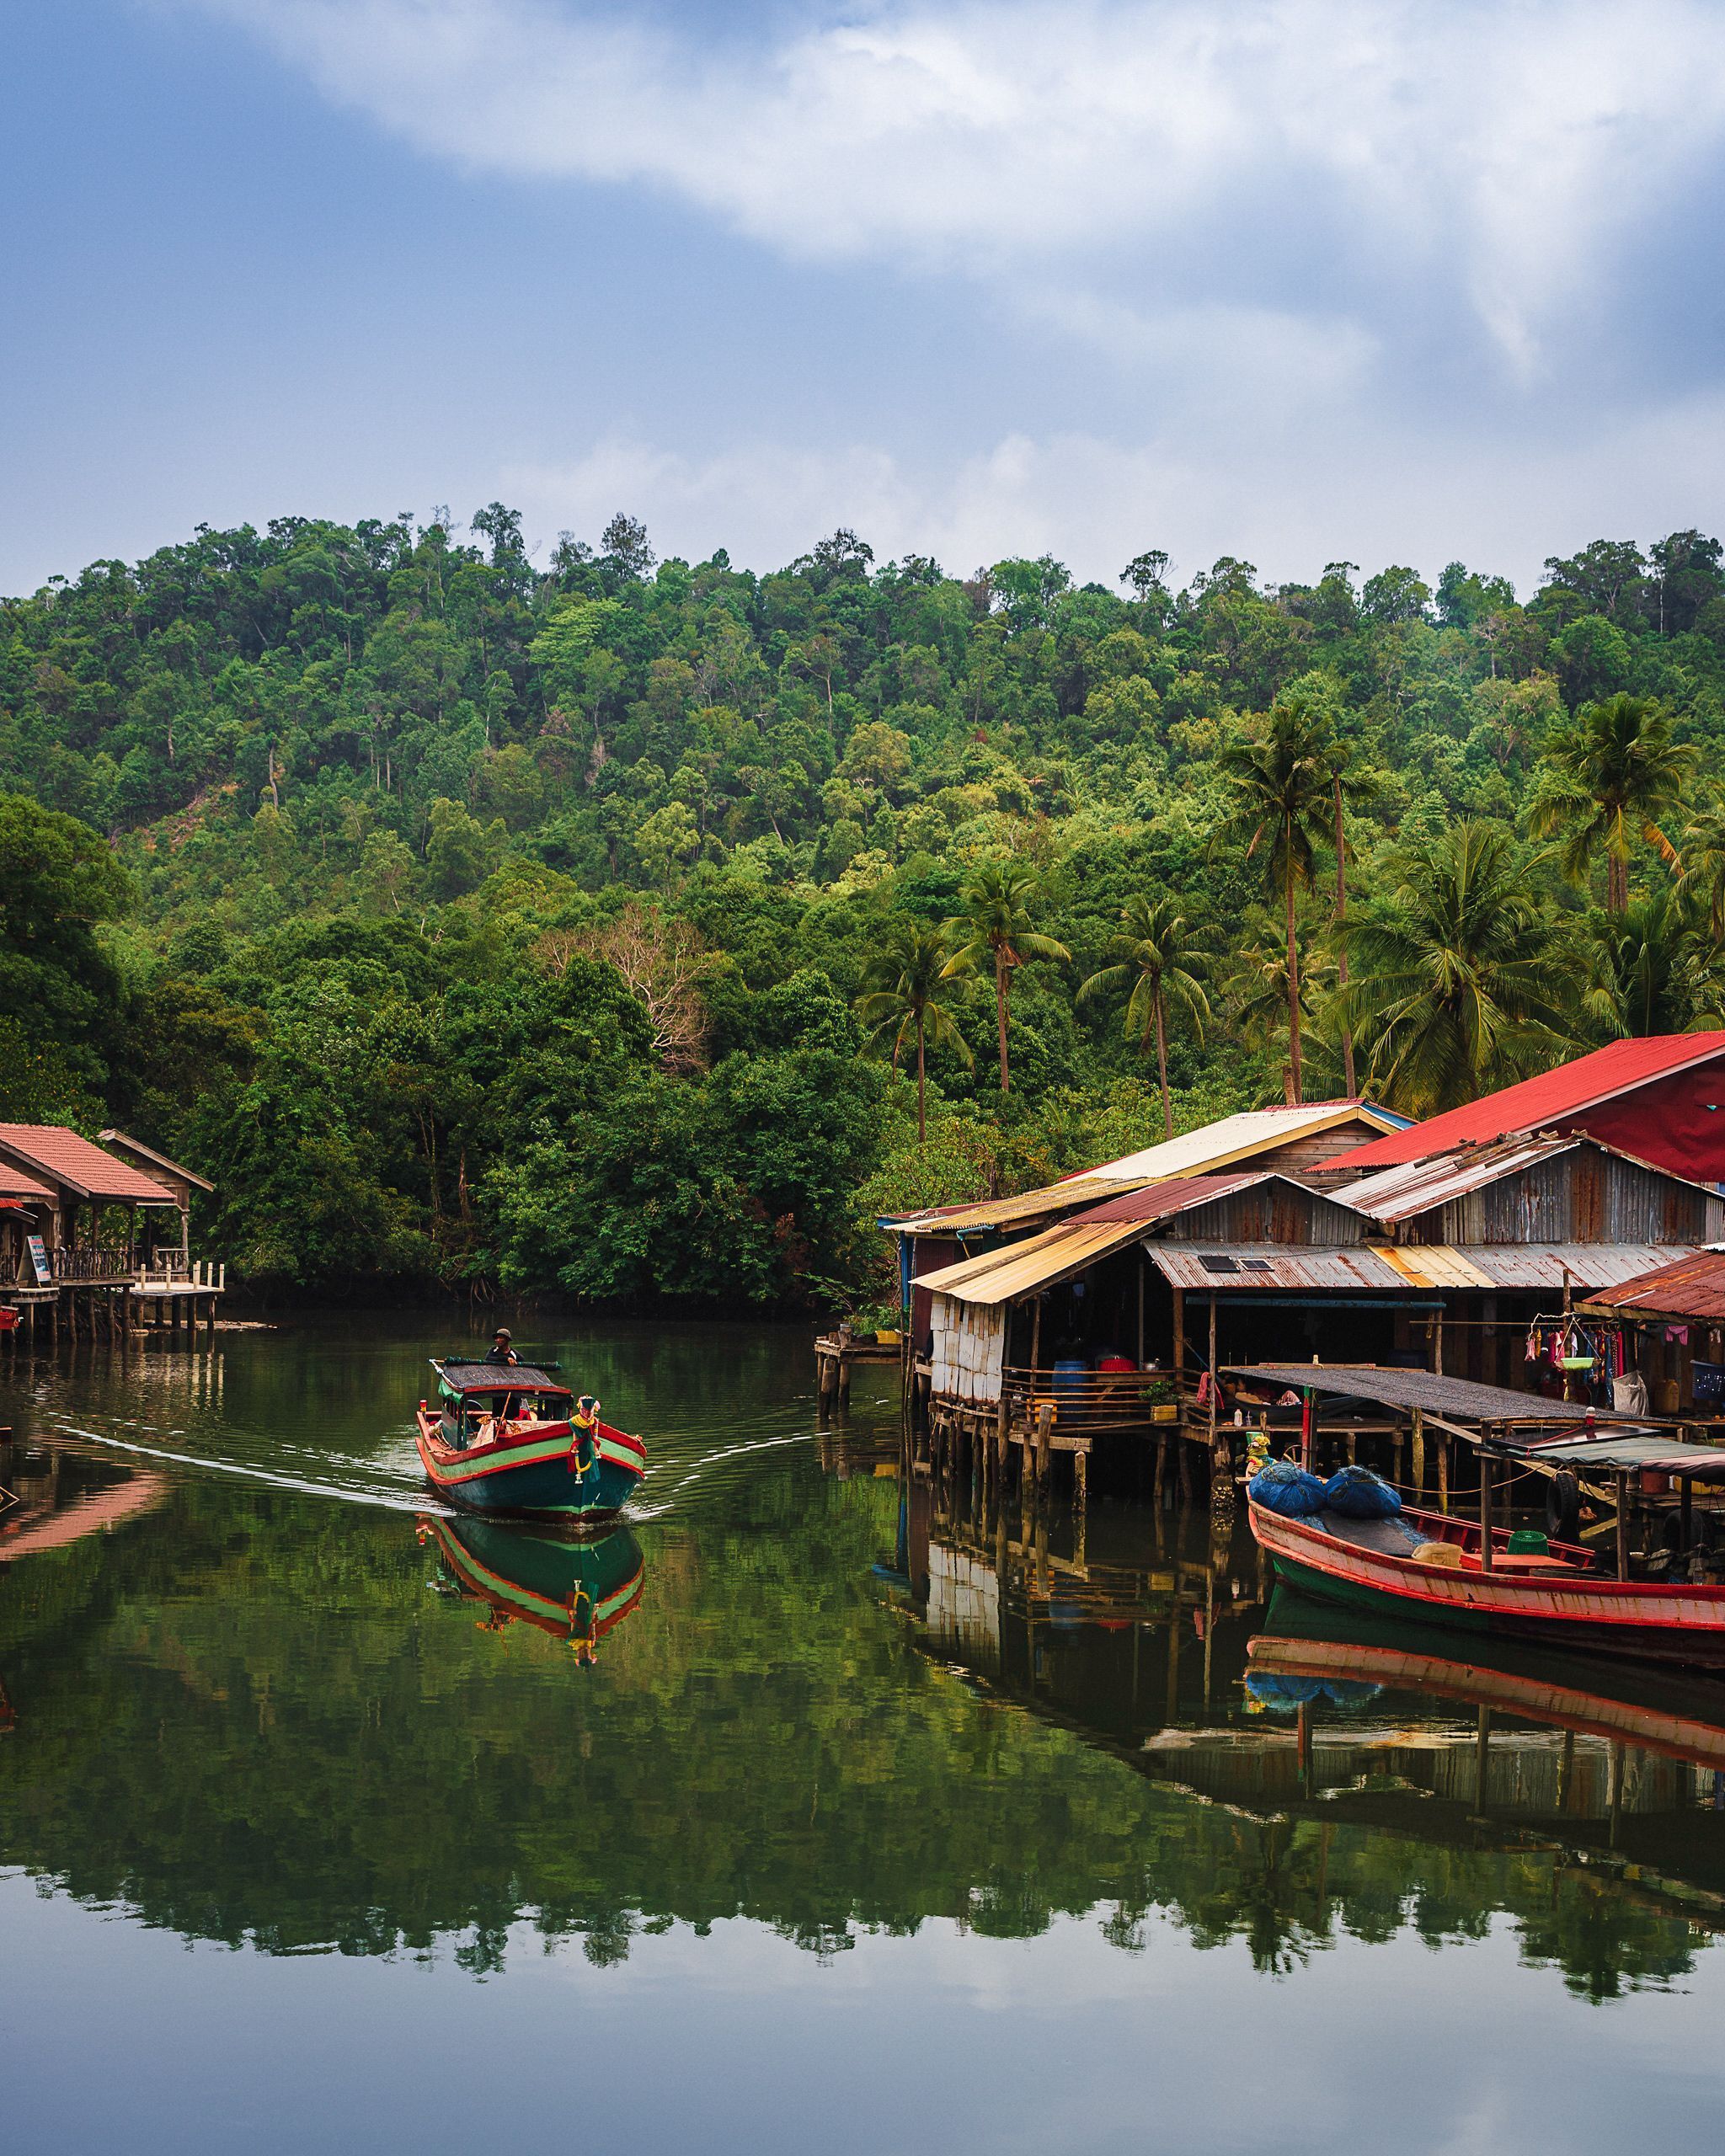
1560 1606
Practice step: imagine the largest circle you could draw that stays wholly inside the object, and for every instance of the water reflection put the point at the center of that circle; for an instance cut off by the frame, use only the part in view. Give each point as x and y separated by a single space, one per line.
1347 1779
576 1588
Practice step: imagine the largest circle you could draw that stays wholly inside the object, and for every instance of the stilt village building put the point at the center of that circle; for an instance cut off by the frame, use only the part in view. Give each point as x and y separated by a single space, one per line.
97 1235
1109 1306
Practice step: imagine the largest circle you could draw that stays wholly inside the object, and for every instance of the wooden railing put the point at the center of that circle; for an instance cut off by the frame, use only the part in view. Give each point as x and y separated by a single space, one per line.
86 1265
1088 1399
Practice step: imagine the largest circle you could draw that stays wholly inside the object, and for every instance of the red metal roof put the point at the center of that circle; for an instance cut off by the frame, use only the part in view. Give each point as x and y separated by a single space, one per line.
1537 1103
15 1183
1693 1287
85 1170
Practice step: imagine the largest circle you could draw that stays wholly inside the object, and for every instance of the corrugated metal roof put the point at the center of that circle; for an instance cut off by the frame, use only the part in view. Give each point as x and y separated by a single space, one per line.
1431 1265
1159 1201
1541 1265
1236 1267
1692 1287
1001 1276
1534 1103
1423 1389
1215 1145
1415 1187
1230 1267
84 1169
1052 1201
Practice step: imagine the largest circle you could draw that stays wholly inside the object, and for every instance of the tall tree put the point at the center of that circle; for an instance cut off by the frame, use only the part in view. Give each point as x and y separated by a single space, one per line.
1459 985
1162 956
1281 784
1656 967
902 982
994 927
1613 772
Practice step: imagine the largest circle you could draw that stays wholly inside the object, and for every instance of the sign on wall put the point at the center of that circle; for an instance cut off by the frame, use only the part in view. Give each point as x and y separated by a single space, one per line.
39 1258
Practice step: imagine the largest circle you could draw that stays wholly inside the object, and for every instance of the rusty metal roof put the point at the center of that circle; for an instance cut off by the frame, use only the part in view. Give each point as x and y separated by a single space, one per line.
62 1157
1229 1268
1541 1265
1692 1286
1421 1389
1160 1201
1536 1102
1416 1186
1050 1203
1001 1276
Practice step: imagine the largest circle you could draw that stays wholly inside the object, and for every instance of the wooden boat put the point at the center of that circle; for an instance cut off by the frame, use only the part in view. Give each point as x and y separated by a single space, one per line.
577 1590
1558 1596
514 1439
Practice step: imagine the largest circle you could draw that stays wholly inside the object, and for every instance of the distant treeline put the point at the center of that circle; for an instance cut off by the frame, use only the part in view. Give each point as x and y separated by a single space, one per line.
579 926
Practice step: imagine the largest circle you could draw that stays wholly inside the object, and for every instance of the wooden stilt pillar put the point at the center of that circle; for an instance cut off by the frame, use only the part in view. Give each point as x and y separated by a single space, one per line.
1485 1509
1419 1452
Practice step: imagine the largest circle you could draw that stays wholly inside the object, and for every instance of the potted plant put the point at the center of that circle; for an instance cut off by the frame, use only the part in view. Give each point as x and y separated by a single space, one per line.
1163 1400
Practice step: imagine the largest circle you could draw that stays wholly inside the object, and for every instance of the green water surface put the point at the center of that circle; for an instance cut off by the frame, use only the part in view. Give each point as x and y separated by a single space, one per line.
876 1822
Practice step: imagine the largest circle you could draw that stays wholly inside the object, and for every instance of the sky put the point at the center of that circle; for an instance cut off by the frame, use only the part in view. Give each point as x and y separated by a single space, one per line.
1298 280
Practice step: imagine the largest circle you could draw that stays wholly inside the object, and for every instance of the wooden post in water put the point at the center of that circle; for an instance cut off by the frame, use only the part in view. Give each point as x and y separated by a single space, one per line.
1621 1481
1485 1506
1419 1452
1045 1423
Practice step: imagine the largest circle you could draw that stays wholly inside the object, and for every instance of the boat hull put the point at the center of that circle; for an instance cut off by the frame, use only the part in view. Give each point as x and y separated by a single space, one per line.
545 1475
1646 1621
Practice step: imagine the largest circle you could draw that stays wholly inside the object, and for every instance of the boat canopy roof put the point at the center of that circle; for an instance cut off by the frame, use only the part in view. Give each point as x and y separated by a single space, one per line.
496 1377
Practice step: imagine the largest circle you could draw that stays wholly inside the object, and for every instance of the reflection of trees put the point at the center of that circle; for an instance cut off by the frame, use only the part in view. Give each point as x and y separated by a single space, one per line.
253 1720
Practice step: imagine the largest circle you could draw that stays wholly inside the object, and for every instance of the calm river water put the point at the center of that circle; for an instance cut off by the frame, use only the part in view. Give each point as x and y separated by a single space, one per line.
817 1808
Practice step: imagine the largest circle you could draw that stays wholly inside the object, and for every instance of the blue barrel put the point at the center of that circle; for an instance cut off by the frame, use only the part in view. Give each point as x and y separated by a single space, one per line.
1069 1376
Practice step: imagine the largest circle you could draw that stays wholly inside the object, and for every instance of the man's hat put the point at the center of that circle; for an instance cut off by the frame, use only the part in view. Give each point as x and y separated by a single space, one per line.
502 1333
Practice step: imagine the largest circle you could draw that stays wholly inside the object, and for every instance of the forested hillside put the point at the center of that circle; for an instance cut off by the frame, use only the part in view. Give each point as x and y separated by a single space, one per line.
574 926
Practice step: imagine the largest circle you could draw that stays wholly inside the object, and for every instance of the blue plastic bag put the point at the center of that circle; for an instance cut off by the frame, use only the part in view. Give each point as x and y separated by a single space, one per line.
1357 1493
1282 1488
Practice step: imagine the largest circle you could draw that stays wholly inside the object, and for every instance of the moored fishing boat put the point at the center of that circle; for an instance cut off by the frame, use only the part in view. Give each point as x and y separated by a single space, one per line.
512 1438
1434 1566
577 1590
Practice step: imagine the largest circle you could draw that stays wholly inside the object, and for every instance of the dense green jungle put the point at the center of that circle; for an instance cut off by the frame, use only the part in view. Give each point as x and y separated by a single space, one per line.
638 931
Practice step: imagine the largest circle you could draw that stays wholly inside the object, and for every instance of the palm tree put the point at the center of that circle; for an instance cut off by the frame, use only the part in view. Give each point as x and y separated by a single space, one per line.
1256 986
1656 967
993 927
1460 985
1281 803
903 980
1161 955
1614 771
1336 756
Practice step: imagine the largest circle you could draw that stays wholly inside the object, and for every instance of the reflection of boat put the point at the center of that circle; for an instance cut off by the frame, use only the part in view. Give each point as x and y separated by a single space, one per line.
1429 1565
576 1590
510 1438
1681 1719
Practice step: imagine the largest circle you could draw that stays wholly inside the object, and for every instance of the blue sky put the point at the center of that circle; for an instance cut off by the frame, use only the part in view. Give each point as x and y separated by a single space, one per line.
1292 279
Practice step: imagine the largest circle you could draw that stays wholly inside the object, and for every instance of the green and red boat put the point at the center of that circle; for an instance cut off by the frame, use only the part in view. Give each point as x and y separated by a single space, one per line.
512 1438
577 1590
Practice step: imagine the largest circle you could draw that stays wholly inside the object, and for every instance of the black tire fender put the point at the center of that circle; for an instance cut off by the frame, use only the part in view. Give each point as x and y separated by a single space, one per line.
1562 1507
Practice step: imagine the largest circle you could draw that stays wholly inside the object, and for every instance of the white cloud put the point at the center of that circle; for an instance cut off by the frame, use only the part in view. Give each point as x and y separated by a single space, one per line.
1501 504
1503 153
